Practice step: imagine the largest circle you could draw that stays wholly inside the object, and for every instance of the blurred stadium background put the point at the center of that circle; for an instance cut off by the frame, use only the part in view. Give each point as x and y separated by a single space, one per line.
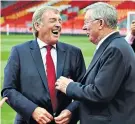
15 23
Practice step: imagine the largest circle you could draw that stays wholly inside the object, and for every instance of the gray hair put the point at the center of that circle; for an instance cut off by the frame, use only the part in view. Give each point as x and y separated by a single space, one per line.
37 16
108 13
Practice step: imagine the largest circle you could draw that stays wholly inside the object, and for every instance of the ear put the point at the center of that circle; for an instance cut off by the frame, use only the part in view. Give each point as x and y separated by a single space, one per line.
37 26
101 23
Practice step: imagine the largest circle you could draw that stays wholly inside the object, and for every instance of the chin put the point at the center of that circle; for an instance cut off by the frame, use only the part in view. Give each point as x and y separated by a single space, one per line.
92 41
54 41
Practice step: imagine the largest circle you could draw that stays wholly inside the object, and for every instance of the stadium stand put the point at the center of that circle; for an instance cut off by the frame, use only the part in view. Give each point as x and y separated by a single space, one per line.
18 15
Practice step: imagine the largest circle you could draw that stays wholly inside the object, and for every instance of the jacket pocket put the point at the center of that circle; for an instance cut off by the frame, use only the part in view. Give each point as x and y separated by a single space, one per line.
100 117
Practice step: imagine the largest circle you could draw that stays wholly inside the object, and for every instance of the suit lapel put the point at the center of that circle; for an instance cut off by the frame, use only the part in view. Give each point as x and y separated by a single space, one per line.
100 51
35 51
60 59
61 54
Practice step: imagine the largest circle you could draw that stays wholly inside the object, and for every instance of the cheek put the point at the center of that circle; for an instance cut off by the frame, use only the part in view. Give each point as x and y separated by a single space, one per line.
47 32
43 30
93 35
47 28
94 32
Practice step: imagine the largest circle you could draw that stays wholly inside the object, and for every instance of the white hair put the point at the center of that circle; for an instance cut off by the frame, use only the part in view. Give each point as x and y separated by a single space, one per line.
108 13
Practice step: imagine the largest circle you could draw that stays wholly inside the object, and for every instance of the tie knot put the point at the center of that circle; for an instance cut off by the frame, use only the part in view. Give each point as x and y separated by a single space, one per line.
49 47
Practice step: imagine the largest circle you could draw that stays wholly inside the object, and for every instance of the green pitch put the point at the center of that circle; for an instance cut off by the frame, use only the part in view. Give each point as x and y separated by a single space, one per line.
7 42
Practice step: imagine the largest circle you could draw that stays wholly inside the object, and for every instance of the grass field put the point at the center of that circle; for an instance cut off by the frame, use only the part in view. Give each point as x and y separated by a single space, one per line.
7 42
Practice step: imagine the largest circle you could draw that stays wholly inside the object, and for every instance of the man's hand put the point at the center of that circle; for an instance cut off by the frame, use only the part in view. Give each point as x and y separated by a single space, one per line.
2 101
64 117
62 84
42 116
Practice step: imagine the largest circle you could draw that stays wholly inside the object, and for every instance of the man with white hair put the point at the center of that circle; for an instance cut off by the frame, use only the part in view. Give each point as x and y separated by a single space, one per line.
32 70
107 90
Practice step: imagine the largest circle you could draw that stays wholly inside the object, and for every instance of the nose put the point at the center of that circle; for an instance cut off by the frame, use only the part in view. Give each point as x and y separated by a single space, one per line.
84 27
58 24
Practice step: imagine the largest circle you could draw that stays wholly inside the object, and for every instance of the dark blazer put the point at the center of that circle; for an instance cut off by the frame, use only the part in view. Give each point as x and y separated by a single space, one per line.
108 93
25 82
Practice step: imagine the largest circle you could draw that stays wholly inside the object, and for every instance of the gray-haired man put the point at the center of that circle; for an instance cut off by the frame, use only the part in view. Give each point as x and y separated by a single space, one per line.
107 92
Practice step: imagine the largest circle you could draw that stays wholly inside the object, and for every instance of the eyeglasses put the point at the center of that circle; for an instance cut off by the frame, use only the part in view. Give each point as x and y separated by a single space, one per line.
86 23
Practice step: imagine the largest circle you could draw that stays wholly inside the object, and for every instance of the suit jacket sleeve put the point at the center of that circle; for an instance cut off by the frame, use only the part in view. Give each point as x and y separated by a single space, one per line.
11 88
106 83
79 71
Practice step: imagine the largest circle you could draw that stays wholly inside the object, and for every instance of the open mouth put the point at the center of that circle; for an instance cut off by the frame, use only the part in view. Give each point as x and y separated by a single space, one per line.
56 32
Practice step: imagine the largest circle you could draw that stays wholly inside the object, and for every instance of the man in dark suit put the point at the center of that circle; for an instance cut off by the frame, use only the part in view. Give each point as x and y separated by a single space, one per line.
107 92
29 81
130 38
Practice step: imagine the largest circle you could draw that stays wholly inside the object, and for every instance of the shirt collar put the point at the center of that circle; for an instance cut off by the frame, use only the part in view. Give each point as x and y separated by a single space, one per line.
102 40
43 44
130 38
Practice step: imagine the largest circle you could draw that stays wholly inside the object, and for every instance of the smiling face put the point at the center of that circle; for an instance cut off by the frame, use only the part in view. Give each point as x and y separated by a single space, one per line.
50 27
91 27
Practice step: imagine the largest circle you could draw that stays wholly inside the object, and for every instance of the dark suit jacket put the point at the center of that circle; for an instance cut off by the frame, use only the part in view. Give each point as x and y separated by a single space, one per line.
108 95
25 82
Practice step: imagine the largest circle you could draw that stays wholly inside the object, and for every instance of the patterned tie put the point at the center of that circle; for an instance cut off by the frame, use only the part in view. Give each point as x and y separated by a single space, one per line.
51 77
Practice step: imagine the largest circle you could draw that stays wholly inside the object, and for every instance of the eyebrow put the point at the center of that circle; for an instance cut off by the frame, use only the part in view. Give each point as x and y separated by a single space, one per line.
55 19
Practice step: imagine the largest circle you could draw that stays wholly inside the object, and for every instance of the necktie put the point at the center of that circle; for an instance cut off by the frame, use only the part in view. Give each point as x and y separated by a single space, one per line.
51 77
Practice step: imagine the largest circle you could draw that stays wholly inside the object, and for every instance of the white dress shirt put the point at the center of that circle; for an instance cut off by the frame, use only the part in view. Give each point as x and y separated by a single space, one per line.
44 52
102 40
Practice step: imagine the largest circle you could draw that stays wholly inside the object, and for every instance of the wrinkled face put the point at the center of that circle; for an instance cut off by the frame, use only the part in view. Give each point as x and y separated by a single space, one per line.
133 27
50 28
91 27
